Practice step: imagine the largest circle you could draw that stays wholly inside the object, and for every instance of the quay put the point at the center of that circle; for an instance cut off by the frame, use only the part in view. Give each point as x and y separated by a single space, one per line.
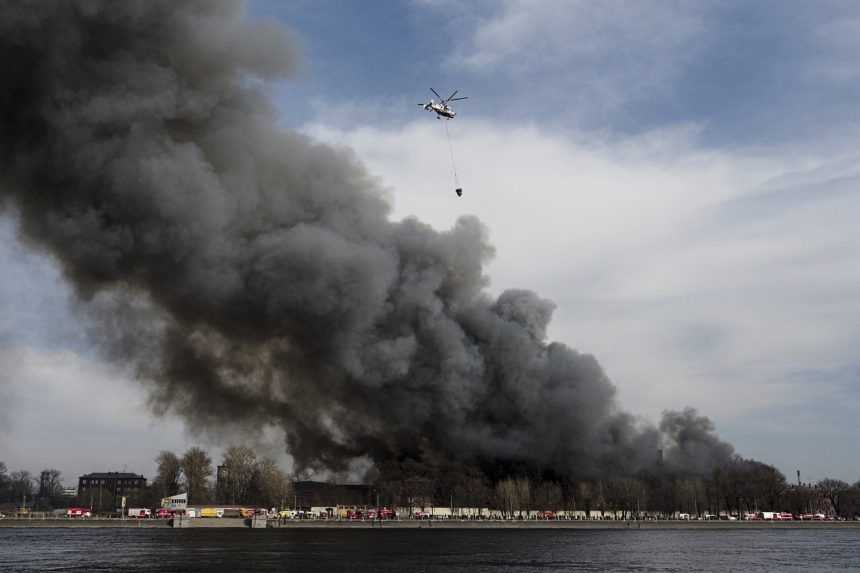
260 522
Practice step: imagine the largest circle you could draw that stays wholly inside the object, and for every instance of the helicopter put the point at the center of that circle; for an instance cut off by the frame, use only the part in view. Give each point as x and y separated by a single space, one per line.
441 107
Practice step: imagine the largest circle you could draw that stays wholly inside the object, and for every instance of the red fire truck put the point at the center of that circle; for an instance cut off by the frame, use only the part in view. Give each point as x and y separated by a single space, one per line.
78 512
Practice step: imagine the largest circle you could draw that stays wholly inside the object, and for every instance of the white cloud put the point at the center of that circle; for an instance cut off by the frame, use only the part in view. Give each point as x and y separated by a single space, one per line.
599 55
838 41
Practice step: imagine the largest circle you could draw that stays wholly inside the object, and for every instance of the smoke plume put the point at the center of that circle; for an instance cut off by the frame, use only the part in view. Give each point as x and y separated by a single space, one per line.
251 275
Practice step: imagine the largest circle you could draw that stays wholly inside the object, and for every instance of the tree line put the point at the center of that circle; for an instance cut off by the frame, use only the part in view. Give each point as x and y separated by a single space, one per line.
243 478
20 486
246 480
736 486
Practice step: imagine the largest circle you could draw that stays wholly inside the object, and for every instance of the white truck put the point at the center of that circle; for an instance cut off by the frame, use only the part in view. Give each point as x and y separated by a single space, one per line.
139 512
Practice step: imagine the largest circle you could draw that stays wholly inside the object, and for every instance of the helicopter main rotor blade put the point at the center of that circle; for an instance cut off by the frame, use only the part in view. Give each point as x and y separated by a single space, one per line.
452 95
459 98
435 92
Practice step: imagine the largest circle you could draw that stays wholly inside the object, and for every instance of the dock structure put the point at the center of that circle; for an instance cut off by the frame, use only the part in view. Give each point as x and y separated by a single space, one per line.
255 522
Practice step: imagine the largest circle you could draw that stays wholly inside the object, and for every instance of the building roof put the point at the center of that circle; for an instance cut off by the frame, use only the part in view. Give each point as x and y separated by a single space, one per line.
315 493
111 475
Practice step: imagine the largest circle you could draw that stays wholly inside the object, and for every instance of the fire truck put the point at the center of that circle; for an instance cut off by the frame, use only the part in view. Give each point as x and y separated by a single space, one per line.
78 512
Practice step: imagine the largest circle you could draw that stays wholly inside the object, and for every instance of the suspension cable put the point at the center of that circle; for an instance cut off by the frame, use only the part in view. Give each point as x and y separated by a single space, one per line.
451 150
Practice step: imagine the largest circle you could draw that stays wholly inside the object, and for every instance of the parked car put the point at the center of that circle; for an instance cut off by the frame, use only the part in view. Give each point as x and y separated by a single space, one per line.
2 516
164 513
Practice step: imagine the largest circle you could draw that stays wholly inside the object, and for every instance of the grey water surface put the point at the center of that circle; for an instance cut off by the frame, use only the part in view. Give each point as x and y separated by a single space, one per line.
162 550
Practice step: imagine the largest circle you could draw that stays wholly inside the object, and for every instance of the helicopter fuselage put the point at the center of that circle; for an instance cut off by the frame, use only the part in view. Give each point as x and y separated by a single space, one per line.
441 110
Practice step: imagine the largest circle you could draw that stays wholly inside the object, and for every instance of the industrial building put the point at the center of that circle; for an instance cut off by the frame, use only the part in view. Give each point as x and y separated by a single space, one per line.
316 493
105 490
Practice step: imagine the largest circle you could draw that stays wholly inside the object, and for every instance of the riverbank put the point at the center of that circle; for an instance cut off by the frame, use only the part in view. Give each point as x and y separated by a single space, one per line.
438 524
596 525
84 523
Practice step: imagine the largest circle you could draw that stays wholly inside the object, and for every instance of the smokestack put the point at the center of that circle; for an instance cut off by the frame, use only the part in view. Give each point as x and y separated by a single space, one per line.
798 478
251 274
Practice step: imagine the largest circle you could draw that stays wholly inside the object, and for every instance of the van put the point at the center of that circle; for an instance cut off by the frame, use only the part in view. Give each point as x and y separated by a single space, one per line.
211 512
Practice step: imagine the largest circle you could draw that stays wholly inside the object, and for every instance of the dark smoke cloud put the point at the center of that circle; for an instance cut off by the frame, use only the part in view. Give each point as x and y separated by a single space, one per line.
253 276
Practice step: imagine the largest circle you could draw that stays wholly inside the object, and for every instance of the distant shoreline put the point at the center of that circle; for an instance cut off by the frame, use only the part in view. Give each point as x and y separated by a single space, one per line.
439 524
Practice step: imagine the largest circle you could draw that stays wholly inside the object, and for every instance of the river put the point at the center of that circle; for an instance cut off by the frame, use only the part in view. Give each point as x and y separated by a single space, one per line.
428 550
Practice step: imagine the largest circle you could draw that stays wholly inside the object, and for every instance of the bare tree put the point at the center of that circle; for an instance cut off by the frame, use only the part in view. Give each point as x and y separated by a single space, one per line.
270 487
506 496
168 474
50 487
196 470
524 494
5 483
238 470
833 490
21 486
585 493
513 494
600 498
849 502
547 496
472 491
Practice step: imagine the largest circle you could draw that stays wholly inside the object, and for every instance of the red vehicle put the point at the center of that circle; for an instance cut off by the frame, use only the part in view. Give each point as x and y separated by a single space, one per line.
164 513
78 512
383 513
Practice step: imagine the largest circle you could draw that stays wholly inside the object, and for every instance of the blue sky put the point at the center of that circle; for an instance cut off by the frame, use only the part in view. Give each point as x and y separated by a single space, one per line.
749 73
681 178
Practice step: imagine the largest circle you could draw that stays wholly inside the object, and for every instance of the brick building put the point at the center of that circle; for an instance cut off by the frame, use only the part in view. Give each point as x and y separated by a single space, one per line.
105 490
